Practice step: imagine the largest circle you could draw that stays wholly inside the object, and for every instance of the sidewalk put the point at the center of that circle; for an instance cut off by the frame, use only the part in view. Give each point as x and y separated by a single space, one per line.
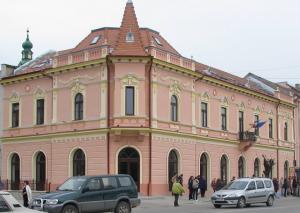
170 199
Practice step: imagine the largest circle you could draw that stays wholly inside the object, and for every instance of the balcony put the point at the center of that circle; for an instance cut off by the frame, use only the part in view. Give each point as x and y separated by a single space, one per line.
246 140
247 136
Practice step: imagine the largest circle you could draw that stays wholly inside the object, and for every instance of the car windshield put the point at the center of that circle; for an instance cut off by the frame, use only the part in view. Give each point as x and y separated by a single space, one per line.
236 185
72 184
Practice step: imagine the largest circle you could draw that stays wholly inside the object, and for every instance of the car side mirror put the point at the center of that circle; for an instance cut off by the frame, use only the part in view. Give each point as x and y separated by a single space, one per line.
86 189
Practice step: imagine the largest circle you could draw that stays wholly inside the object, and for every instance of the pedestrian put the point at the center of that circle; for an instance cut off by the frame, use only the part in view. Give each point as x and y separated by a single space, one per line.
285 186
27 194
213 184
190 187
202 186
290 186
294 185
180 179
1 185
276 187
177 190
281 186
219 184
195 188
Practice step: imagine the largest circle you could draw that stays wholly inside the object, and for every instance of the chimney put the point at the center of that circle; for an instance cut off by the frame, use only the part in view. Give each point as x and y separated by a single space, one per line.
7 70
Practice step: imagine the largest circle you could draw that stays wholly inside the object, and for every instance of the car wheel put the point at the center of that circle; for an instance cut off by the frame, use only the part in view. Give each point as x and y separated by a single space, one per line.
270 201
123 207
241 202
217 206
70 209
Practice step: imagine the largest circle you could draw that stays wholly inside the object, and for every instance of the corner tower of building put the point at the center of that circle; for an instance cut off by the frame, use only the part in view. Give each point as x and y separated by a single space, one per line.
129 42
26 53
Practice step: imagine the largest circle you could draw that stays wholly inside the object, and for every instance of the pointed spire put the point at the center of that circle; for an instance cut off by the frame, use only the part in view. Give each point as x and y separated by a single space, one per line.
129 41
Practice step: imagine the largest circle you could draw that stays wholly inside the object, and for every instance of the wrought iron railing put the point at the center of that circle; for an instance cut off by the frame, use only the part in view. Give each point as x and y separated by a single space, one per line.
247 136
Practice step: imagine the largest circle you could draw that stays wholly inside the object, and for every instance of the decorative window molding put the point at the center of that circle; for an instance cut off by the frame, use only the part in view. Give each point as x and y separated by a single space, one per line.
257 110
13 99
175 89
133 81
242 107
225 102
78 87
205 97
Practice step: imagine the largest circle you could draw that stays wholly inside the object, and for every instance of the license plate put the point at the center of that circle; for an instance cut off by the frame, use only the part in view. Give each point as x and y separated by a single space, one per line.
220 199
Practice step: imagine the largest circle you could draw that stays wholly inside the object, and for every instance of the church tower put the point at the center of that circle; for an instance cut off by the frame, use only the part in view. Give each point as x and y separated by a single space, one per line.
26 53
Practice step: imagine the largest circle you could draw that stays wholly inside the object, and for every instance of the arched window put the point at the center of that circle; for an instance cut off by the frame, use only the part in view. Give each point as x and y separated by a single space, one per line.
78 107
286 169
15 172
173 166
174 108
256 167
224 169
241 167
203 166
40 171
79 163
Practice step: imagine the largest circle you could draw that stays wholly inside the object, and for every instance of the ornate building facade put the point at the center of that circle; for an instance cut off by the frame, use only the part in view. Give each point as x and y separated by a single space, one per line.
125 101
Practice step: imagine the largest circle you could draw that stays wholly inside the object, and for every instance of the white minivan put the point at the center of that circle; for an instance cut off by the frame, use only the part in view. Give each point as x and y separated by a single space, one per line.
244 192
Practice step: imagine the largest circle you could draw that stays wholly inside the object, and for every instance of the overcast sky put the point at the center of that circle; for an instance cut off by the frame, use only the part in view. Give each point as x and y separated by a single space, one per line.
237 36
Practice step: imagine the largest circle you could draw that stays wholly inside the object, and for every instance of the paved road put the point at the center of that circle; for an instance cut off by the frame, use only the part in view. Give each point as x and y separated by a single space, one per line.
165 205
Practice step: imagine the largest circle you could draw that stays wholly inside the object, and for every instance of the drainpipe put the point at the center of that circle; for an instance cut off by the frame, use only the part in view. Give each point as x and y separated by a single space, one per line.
277 133
150 126
294 135
108 116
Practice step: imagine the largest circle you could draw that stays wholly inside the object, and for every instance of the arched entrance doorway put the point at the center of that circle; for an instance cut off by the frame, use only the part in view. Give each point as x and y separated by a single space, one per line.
204 166
40 171
173 166
129 163
15 172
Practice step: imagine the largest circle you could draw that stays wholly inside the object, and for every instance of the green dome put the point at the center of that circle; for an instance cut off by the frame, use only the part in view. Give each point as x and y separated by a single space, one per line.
27 44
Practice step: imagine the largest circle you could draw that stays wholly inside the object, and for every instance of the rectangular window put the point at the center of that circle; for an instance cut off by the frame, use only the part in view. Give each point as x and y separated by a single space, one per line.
224 118
109 182
270 128
129 101
285 131
241 124
204 114
40 111
256 120
15 115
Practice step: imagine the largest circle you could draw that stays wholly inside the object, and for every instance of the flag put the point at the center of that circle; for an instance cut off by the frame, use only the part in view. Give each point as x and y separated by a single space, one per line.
258 124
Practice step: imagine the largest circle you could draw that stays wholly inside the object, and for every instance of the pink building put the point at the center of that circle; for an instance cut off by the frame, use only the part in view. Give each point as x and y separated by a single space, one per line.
125 101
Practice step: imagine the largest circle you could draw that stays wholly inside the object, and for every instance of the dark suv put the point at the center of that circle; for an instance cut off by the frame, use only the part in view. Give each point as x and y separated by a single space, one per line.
114 193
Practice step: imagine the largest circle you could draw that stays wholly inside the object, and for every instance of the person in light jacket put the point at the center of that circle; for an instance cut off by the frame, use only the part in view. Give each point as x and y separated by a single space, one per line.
177 190
27 194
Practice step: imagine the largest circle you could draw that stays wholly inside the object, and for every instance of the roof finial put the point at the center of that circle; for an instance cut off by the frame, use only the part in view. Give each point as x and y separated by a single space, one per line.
27 32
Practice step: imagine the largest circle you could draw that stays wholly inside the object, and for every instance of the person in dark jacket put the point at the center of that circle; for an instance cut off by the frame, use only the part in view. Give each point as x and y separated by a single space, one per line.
202 186
276 186
285 186
190 187
294 185
219 184
180 179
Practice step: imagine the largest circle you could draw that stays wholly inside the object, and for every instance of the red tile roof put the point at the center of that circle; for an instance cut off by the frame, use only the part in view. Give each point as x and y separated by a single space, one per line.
129 25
